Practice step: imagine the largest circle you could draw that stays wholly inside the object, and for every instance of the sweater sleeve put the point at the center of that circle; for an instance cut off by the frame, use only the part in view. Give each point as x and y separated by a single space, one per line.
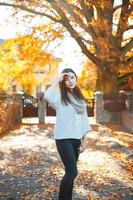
52 96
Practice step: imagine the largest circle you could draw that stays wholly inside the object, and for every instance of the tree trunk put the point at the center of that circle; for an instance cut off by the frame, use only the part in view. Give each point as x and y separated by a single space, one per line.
107 83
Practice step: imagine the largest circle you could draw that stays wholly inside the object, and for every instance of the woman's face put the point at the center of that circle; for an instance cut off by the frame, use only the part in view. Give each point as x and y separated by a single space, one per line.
70 81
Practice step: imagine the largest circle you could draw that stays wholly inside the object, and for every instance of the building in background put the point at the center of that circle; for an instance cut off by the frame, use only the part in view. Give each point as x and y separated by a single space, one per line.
45 76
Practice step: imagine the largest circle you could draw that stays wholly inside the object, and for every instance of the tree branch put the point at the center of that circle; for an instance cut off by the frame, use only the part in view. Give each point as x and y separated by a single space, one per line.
87 41
128 28
122 21
128 39
71 10
130 9
128 61
124 76
75 35
116 7
88 12
127 47
30 10
112 2
75 16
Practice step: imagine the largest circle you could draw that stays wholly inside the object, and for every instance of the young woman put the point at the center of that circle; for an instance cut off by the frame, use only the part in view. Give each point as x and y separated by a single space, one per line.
71 126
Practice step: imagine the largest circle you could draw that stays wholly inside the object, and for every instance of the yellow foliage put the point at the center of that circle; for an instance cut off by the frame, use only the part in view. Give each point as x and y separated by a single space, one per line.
87 80
105 25
87 93
20 59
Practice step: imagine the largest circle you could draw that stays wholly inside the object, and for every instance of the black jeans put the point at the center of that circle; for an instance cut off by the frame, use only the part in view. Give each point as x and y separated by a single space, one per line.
69 151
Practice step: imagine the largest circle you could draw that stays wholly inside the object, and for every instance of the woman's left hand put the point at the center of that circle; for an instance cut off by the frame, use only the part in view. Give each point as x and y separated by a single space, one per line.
83 144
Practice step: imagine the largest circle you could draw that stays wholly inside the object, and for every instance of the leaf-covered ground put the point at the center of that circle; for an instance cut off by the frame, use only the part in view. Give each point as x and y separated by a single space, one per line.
30 168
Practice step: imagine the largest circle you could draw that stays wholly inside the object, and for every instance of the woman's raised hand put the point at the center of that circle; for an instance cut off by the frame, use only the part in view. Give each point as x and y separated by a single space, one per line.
62 76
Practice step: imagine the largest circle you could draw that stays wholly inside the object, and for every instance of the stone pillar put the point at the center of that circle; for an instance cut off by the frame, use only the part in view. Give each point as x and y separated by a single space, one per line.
129 101
99 106
11 117
17 99
41 107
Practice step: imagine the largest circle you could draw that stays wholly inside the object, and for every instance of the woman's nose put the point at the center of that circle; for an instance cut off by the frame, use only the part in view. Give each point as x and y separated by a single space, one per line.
70 82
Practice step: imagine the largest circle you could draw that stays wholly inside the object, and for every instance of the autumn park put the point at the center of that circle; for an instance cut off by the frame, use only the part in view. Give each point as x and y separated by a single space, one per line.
38 39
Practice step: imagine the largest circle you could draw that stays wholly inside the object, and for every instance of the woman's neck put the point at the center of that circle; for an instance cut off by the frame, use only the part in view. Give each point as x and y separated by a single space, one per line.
70 90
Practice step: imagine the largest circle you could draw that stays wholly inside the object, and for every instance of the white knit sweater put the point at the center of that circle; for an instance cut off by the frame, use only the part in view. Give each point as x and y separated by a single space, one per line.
69 124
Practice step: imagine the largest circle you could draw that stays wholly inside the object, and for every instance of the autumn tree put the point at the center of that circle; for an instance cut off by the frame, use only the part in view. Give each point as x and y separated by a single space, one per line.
101 28
23 58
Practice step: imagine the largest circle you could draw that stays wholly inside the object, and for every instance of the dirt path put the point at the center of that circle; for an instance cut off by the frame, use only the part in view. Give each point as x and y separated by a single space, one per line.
31 168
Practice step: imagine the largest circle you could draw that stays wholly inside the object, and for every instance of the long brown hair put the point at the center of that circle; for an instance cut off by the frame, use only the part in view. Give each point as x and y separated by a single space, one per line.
76 90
